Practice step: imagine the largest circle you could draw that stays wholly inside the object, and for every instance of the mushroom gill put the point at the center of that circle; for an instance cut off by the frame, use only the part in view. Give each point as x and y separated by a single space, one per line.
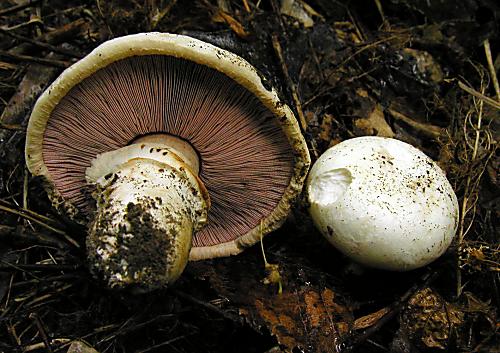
246 161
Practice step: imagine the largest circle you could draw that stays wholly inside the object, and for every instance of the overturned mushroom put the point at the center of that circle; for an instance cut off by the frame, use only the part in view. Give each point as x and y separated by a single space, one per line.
158 127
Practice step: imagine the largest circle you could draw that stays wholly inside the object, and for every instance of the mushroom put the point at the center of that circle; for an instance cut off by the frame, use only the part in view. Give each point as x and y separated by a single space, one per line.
383 203
141 136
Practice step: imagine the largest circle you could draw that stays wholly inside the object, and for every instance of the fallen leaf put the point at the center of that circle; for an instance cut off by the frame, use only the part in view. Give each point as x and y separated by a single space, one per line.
374 124
370 319
237 27
80 347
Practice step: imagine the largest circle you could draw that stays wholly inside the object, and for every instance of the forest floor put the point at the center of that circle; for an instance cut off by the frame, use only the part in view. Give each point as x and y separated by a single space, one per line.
424 72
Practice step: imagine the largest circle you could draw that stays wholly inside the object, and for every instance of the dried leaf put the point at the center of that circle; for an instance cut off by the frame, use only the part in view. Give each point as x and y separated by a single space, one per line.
304 315
80 347
370 319
297 10
374 123
237 27
430 319
307 318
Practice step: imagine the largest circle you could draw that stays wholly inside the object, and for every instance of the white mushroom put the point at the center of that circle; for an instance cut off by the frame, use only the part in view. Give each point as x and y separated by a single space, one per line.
146 127
383 203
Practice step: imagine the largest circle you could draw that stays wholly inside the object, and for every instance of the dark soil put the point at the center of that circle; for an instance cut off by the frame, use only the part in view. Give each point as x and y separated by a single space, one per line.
414 70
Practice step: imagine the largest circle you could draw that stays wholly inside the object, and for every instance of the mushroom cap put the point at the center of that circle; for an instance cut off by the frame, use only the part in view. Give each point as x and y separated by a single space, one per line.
383 203
253 159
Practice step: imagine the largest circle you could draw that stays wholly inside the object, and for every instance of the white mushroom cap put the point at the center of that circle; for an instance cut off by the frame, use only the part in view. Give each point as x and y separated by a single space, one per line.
383 203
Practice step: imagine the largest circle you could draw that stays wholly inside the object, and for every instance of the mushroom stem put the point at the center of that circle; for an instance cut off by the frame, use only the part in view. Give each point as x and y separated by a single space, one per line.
149 204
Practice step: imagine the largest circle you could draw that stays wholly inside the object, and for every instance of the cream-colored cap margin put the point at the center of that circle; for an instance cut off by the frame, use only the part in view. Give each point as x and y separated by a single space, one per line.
193 50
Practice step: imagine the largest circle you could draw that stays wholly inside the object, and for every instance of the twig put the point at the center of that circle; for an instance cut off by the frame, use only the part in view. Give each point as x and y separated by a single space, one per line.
19 7
42 61
428 130
211 307
246 6
29 212
31 218
40 44
491 67
49 280
479 95
67 32
291 84
381 12
7 267
362 48
40 345
41 330
21 235
14 127
25 191
156 18
164 343
125 329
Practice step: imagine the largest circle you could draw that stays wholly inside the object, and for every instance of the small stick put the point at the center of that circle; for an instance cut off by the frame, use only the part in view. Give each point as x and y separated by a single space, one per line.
381 12
227 315
428 130
21 235
493 73
479 95
246 6
40 44
41 330
293 88
66 32
31 218
48 62
30 212
25 191
166 343
125 329
19 7
35 267
14 127
40 345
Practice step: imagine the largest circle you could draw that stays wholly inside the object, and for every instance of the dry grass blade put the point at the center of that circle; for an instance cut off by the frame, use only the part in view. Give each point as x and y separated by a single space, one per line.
166 343
42 222
27 58
431 131
18 7
40 44
477 150
479 95
13 127
491 67
293 88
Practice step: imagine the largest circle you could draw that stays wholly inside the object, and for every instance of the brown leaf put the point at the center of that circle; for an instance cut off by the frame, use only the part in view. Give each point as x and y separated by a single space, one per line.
237 27
430 319
307 314
374 123
370 319
303 318
80 347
